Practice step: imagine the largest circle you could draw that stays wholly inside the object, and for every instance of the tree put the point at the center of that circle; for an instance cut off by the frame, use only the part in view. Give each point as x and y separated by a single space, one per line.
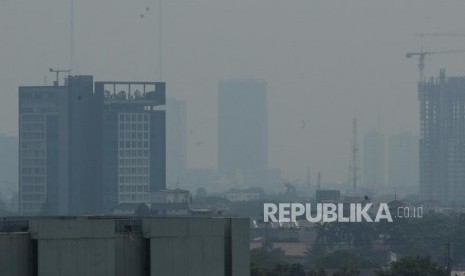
324 233
412 237
317 272
288 270
347 272
264 258
342 259
414 266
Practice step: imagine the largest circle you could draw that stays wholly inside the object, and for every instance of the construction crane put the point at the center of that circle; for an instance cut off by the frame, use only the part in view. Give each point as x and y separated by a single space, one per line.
440 34
421 57
57 72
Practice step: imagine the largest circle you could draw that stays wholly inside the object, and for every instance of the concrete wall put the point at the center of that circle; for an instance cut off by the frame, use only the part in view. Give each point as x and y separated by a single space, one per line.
162 247
130 252
86 247
240 247
76 257
15 254
181 246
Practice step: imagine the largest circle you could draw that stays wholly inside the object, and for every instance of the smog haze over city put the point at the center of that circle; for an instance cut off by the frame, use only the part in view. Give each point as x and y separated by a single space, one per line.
242 137
324 62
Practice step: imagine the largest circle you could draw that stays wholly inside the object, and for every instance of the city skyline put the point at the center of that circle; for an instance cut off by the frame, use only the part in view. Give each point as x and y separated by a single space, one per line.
312 75
265 137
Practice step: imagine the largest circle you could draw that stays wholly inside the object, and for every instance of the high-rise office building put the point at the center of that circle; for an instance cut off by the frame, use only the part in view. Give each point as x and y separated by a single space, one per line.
57 141
243 128
373 161
9 162
133 141
80 150
442 139
403 163
176 141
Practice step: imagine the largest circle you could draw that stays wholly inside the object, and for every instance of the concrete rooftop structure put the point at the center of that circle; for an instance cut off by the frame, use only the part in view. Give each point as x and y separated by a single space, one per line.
124 246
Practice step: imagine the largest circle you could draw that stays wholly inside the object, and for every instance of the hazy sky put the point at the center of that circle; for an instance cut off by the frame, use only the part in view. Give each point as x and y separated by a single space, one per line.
324 62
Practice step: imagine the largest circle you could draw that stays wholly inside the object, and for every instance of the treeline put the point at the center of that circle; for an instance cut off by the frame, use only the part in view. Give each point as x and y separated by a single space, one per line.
437 237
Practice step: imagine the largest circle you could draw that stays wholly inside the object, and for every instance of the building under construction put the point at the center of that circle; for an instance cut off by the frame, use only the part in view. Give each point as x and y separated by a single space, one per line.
442 139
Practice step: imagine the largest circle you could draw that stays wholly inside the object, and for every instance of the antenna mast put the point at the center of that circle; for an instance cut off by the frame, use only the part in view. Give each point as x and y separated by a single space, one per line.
354 158
160 44
71 42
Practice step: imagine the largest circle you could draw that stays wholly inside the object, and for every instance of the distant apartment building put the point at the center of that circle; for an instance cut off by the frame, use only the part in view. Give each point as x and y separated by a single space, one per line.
442 139
403 163
373 161
176 141
243 129
80 150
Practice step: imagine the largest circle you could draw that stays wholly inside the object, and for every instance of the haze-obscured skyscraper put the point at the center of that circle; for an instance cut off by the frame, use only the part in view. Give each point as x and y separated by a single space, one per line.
176 141
243 128
442 139
58 141
403 162
373 160
134 141
83 152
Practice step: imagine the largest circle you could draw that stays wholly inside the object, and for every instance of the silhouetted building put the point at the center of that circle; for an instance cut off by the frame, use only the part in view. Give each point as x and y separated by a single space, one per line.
442 139
243 129
373 160
79 148
176 141
403 162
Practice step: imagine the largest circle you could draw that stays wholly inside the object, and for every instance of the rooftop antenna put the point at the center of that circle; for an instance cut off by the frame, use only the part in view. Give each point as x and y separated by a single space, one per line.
159 70
71 42
160 44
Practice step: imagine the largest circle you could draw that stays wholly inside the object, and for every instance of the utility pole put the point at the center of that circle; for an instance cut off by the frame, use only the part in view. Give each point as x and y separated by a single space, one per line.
448 258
